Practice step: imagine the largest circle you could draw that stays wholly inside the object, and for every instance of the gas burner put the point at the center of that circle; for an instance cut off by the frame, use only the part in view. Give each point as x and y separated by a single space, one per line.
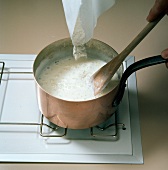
106 130
27 136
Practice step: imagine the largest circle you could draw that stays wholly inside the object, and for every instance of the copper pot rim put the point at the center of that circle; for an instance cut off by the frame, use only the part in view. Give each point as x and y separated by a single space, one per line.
73 101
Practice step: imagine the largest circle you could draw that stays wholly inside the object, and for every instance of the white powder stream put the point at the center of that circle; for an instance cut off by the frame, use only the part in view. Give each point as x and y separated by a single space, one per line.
81 18
79 39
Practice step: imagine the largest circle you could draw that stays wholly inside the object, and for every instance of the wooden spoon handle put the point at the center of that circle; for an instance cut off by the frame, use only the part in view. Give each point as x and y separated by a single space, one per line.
102 77
138 39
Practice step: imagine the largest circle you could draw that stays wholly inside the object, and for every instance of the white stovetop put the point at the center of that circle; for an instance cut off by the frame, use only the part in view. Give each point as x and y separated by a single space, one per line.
18 103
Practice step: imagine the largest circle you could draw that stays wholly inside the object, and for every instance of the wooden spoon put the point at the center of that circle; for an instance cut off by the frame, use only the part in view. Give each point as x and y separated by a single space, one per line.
103 76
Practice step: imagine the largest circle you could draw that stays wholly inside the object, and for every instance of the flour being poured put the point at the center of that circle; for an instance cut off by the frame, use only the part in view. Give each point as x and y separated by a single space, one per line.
81 17
78 38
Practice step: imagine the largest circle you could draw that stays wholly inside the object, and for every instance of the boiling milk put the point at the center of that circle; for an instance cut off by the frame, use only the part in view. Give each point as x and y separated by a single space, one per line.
70 79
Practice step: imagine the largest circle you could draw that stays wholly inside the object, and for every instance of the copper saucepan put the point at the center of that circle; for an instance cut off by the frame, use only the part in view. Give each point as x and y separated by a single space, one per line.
82 114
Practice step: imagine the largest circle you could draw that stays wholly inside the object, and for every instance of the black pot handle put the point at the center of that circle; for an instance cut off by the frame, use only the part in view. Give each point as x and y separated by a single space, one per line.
132 68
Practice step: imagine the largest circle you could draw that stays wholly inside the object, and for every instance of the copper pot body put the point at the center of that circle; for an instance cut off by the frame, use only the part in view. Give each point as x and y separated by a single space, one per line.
74 114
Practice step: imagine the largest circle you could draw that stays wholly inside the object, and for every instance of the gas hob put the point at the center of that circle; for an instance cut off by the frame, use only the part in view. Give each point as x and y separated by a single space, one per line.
26 136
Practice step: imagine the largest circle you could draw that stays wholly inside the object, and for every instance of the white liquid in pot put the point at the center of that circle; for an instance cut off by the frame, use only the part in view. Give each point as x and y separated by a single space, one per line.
70 79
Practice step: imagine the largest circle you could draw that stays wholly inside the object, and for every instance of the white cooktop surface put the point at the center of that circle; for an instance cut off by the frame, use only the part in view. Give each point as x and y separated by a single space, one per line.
18 103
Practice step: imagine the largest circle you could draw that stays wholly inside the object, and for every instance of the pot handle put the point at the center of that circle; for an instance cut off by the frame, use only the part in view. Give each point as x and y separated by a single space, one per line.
132 68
